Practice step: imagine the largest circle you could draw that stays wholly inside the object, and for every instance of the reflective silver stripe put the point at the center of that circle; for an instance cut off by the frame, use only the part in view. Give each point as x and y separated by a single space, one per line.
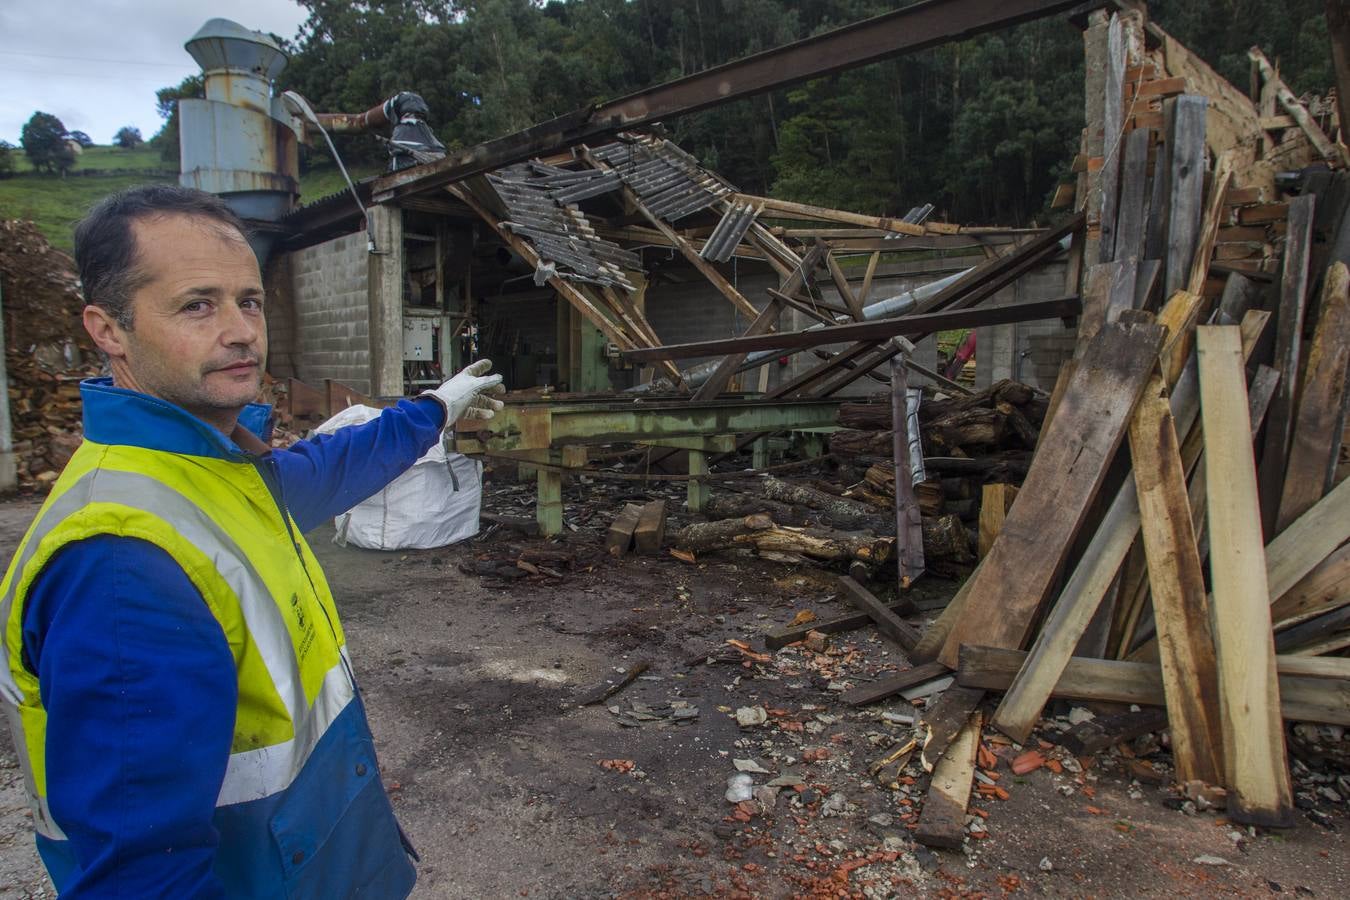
258 769
43 823
254 774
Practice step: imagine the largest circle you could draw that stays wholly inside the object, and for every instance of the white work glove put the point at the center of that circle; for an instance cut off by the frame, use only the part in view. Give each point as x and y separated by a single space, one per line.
465 396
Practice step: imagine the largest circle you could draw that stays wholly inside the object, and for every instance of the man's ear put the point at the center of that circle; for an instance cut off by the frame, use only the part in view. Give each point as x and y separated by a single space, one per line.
107 334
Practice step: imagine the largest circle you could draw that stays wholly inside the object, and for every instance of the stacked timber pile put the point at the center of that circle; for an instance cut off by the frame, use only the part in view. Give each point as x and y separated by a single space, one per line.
974 445
1177 557
47 351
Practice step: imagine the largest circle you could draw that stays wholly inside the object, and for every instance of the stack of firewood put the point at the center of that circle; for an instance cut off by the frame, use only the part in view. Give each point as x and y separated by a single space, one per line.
47 351
968 442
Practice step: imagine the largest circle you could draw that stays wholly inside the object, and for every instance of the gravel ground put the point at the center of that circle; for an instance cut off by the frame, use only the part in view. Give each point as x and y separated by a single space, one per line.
508 789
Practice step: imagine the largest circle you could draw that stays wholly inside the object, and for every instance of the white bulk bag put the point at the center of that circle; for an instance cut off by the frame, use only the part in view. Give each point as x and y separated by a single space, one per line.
434 503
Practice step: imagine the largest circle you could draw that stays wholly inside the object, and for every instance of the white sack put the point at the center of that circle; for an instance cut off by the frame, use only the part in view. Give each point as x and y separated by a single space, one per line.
434 503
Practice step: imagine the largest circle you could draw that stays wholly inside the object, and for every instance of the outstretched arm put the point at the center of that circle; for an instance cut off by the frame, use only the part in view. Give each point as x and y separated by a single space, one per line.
140 690
329 474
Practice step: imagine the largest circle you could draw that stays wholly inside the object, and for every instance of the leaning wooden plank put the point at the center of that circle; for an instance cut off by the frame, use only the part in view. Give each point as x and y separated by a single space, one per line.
1177 583
1257 768
1133 187
995 501
898 683
651 527
1187 138
1096 302
887 622
765 322
619 537
942 823
1070 463
1315 440
1310 689
1312 631
1069 618
1291 105
780 637
1209 224
935 636
1312 537
1325 588
943 721
1288 345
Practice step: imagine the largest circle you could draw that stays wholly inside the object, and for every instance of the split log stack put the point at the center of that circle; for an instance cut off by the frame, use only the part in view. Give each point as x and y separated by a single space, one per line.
47 352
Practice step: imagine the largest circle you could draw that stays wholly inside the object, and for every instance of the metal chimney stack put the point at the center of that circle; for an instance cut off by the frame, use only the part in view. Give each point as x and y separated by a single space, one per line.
240 142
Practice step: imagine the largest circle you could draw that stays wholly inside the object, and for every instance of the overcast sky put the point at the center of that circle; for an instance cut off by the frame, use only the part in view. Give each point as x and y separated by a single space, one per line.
95 64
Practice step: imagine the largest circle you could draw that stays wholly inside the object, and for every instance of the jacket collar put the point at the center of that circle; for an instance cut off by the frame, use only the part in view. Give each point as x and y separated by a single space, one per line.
114 415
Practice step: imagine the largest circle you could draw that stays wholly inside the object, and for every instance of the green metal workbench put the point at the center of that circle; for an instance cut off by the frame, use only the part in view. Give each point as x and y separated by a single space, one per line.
552 434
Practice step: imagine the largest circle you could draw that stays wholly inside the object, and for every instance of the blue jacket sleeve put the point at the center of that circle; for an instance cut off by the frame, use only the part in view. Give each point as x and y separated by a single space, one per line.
329 474
140 690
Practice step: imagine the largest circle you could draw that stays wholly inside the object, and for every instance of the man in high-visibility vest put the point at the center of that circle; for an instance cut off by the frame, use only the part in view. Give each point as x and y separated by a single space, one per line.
174 673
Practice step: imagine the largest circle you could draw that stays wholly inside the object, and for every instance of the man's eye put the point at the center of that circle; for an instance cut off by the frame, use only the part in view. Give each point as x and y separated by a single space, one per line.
195 306
251 303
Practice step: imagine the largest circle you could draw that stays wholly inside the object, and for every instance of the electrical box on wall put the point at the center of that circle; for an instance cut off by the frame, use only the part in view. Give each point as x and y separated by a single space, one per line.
419 337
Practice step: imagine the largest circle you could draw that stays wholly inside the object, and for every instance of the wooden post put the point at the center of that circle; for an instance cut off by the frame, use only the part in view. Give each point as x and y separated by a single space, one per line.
1187 139
908 520
385 292
697 495
549 505
1258 771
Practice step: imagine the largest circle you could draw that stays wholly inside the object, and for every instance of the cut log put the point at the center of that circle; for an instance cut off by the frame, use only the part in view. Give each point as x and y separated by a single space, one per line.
701 537
840 512
1066 472
732 504
1257 770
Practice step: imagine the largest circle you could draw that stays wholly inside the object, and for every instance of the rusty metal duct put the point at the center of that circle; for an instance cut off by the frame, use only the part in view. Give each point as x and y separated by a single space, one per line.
240 142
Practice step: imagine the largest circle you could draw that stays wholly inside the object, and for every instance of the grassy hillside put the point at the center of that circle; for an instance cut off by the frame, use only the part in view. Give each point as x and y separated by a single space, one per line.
55 204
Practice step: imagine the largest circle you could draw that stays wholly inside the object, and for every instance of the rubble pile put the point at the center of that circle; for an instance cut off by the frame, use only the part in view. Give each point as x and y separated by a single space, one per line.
47 351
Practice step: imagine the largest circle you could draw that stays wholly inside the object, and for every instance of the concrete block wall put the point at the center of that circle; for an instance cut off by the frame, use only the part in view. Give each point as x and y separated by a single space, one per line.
1029 352
330 324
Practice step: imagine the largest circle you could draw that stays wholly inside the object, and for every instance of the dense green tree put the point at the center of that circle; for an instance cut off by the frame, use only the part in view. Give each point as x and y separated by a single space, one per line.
81 138
44 143
128 137
6 159
166 103
983 128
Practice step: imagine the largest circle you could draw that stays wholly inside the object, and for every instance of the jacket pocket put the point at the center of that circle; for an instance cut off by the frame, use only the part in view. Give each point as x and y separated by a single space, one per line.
335 831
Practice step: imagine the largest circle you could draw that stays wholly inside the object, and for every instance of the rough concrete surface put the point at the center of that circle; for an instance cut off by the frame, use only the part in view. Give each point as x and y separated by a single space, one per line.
497 776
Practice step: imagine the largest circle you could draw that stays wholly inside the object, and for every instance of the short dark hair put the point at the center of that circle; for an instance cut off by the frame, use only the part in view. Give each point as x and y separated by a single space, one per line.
105 246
